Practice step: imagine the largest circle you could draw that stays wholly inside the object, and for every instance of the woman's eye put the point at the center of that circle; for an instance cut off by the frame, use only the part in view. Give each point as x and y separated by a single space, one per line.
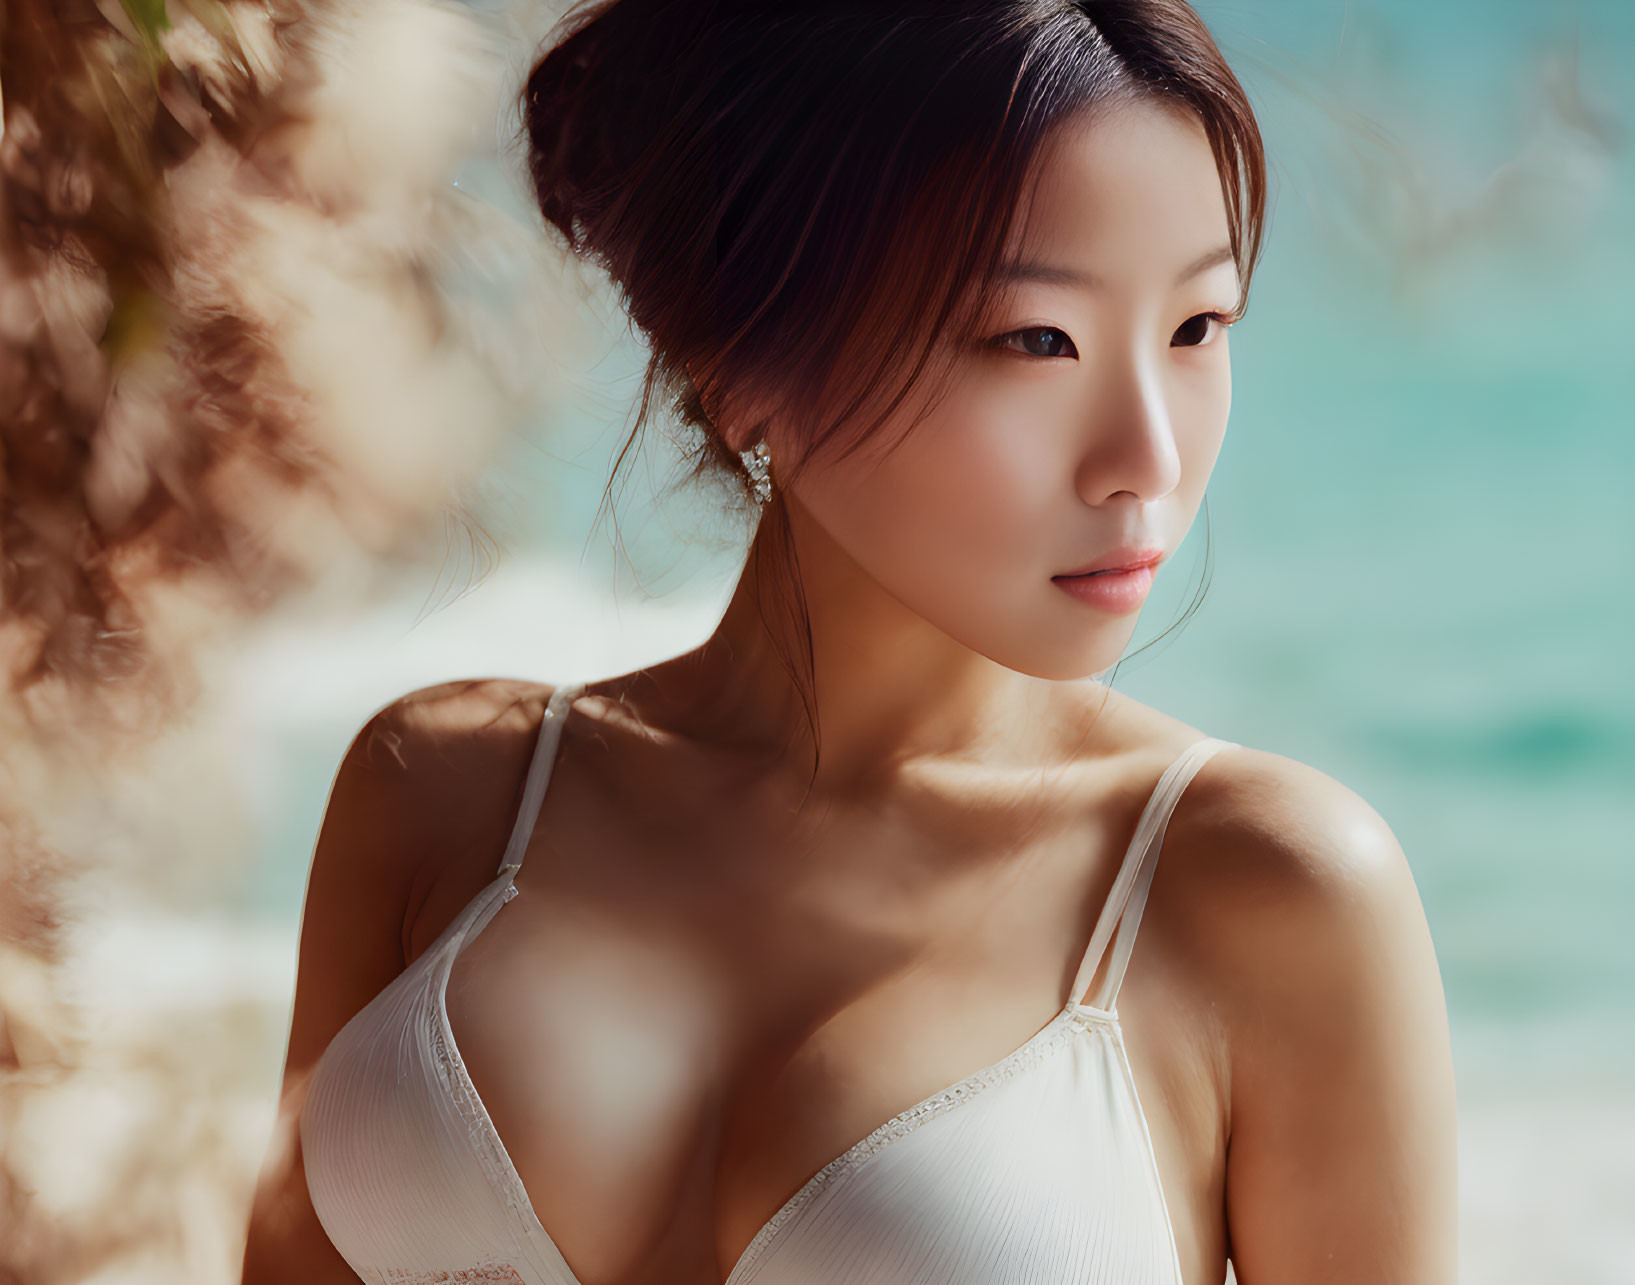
1048 341
1056 338
1192 334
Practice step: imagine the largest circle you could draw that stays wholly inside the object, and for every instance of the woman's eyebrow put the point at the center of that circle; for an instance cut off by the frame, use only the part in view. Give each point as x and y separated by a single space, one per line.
1050 274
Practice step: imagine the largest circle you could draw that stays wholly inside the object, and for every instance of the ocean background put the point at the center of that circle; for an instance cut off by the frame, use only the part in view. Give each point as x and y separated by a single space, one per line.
1417 547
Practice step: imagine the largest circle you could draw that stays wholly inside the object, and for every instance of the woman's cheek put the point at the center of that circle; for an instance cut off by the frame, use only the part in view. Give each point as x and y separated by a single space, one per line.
1201 444
997 476
970 507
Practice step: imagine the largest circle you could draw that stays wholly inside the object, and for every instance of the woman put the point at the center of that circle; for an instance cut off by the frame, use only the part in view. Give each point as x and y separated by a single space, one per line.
823 961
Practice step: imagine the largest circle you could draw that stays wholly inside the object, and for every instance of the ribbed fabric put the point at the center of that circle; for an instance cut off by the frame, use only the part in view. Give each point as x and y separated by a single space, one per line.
1036 1168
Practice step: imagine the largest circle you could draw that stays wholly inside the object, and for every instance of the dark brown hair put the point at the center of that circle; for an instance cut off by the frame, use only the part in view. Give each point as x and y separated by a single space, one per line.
808 203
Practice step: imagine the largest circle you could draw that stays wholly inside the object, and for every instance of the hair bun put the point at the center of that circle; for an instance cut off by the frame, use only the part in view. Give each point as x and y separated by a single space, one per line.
598 100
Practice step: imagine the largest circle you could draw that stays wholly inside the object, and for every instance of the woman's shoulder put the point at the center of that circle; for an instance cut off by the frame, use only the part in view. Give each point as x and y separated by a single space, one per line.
1244 792
1303 924
470 710
1271 865
455 751
1265 822
1254 827
458 752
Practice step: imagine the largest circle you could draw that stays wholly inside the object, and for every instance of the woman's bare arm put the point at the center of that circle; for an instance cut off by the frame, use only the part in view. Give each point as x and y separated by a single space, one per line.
1342 1156
352 944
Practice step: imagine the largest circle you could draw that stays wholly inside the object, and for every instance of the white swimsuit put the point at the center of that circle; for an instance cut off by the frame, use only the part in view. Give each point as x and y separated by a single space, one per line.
1036 1169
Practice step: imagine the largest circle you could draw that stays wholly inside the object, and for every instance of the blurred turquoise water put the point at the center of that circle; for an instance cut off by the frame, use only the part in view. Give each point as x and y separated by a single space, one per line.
1422 522
1420 528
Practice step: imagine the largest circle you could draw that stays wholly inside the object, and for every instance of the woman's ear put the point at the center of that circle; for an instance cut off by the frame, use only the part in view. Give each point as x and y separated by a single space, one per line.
711 407
735 423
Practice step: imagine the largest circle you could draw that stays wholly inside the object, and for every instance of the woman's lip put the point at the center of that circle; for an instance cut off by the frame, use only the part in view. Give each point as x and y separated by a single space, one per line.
1119 592
1126 558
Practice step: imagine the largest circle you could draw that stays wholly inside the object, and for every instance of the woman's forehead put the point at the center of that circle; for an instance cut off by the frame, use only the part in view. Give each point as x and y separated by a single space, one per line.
1133 186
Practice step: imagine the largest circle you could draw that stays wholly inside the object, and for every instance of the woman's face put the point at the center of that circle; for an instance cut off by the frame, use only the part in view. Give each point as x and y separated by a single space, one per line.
1088 420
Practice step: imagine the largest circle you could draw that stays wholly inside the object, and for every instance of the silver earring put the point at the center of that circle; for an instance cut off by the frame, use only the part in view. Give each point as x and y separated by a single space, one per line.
758 463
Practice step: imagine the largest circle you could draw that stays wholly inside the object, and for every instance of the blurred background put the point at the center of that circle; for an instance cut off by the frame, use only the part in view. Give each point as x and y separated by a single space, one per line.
1418 552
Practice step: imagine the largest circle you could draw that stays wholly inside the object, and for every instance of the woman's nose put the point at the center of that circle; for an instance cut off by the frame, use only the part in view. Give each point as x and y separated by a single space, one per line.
1131 444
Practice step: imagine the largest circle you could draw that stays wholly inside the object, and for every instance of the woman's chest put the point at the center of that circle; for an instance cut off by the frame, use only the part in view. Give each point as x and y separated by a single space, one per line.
668 1062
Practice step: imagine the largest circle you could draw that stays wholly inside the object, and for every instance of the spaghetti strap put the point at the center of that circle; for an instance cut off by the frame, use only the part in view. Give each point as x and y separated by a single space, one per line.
539 776
1128 896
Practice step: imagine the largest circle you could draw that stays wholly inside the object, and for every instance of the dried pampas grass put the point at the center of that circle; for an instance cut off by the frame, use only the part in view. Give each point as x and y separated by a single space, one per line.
239 353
